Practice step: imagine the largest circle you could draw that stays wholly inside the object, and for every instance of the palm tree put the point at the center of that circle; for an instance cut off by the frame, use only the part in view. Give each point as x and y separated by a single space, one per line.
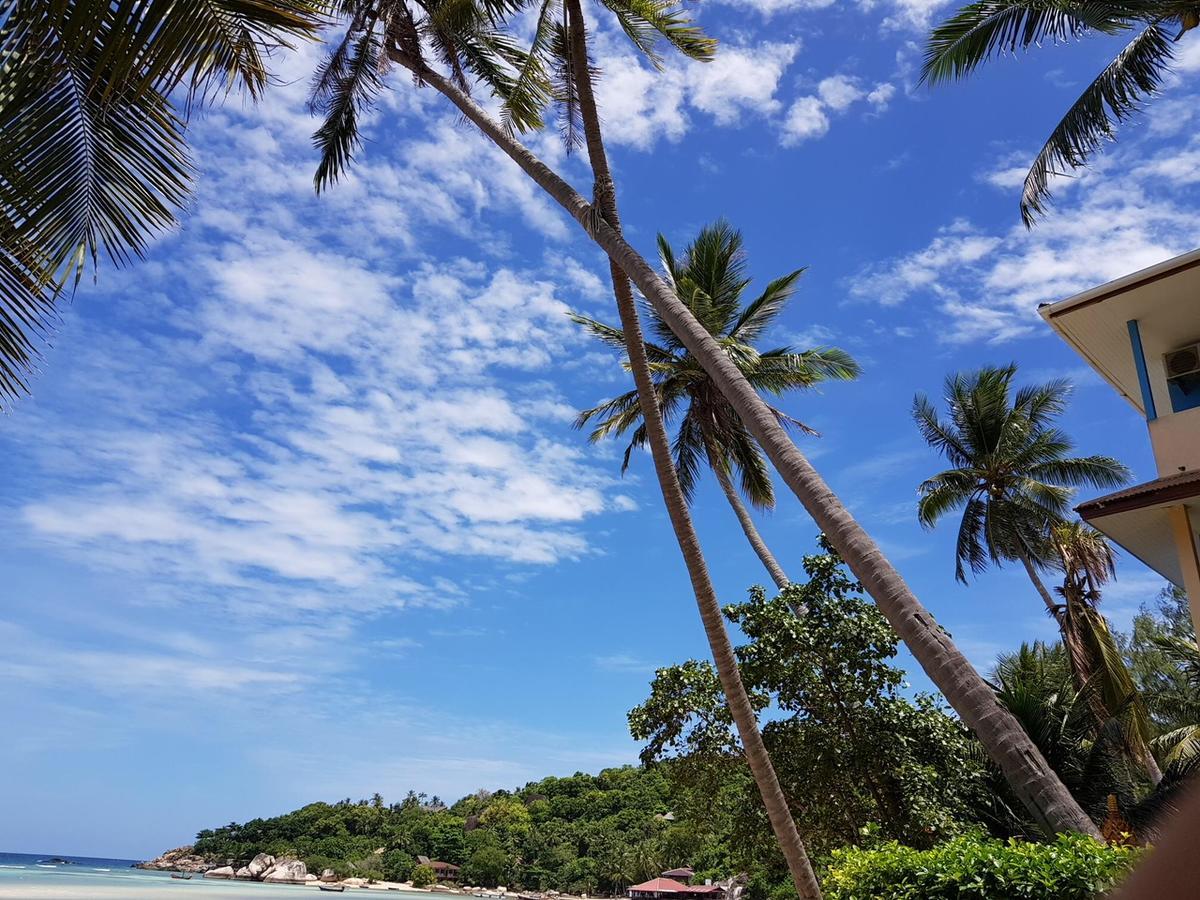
1012 478
470 38
399 35
1037 684
1088 563
710 278
990 28
93 155
1181 745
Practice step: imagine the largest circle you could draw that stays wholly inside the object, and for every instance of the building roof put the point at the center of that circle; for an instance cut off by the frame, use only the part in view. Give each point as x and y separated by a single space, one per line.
1138 519
443 866
681 872
662 886
1181 486
1095 322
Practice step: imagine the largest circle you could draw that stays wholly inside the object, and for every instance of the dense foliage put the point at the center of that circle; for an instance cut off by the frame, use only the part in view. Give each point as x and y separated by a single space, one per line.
585 833
1073 867
895 797
835 706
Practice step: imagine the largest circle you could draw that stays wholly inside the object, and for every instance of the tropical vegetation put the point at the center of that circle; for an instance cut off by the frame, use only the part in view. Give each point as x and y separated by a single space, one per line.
937 820
472 43
1013 480
395 33
990 28
973 867
710 278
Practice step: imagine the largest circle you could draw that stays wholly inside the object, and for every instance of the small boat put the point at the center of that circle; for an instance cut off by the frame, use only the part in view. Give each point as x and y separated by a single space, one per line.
332 888
181 876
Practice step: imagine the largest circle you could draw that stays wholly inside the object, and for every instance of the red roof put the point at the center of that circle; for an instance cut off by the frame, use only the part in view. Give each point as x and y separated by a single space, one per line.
662 886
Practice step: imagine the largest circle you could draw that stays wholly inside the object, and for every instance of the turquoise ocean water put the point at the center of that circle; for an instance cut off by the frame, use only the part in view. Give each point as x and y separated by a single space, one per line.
32 877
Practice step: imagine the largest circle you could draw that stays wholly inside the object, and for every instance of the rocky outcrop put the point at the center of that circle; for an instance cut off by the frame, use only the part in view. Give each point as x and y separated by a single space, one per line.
260 865
181 859
263 867
328 876
285 871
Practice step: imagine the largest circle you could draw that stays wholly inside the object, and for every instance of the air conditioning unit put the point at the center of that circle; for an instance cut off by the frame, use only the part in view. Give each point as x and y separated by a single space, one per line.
1181 362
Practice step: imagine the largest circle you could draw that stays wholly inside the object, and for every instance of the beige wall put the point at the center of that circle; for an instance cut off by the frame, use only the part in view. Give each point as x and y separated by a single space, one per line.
1183 526
1176 441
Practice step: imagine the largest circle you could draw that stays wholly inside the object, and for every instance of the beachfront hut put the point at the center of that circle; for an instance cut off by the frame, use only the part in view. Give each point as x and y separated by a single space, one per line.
443 871
670 889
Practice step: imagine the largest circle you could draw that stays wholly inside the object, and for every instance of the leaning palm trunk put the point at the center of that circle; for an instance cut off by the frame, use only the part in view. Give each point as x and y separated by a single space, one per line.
1038 584
770 563
1026 770
660 450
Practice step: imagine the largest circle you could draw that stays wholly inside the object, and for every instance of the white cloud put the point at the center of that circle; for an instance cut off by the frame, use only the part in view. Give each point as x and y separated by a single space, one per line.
881 95
986 285
321 404
805 120
642 106
740 80
809 116
913 15
839 91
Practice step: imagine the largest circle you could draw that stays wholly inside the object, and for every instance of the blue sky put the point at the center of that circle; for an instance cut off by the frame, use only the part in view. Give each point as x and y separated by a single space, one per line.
297 513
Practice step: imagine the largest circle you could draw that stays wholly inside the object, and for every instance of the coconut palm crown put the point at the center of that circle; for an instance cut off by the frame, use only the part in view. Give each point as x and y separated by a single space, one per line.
989 28
711 280
470 40
1012 477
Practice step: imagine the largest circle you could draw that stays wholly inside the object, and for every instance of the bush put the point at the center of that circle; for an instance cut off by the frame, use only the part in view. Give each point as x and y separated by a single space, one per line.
1073 867
423 876
397 865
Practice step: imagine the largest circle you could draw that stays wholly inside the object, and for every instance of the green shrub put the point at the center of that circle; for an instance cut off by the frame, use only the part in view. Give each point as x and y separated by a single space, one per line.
397 865
1073 867
423 876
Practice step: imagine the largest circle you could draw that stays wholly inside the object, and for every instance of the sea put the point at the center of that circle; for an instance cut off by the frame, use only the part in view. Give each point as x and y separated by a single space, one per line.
41 877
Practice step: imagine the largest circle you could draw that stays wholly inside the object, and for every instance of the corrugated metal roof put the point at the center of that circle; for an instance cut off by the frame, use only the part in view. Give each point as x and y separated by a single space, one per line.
662 886
1160 490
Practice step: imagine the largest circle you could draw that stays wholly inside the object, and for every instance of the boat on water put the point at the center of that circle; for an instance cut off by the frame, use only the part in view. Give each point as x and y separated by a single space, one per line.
182 876
332 888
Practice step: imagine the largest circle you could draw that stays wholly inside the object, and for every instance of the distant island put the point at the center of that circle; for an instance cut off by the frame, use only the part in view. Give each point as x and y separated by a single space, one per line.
583 835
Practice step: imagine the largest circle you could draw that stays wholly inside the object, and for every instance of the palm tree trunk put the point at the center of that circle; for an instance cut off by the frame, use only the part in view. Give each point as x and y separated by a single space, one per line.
743 713
1040 585
1038 787
756 541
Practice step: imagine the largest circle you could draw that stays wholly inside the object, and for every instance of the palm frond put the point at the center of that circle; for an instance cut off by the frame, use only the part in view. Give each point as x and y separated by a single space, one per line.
763 310
78 176
1116 94
92 155
344 87
531 88
646 22
979 31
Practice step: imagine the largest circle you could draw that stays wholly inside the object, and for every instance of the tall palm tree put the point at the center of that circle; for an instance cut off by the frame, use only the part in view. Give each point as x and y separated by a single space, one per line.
988 28
522 95
93 155
1033 781
1012 478
1088 563
710 279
